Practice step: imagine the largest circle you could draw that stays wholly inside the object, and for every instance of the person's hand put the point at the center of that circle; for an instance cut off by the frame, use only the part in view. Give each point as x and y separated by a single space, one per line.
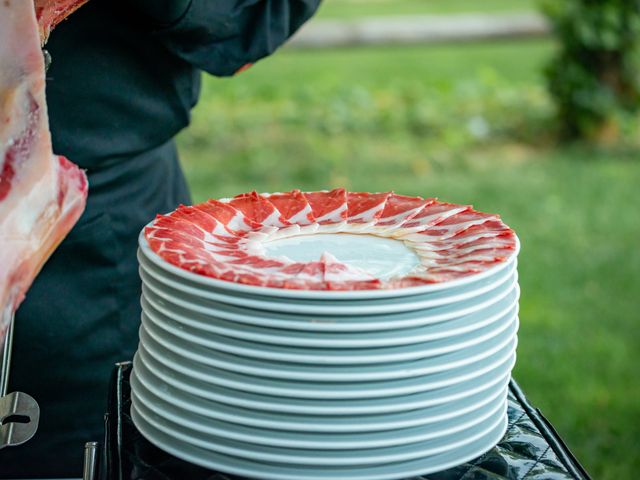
161 12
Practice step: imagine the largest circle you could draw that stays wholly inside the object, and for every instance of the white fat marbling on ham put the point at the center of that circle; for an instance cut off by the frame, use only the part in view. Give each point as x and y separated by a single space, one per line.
328 207
293 206
364 210
257 209
451 226
398 210
430 215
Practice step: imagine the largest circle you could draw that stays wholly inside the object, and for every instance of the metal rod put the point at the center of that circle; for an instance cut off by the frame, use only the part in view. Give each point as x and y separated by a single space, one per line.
6 357
90 471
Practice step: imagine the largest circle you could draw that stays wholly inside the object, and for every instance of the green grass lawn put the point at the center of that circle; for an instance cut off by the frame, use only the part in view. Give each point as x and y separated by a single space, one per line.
357 8
469 124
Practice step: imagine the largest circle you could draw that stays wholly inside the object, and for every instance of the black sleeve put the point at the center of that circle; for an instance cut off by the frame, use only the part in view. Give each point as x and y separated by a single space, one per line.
222 36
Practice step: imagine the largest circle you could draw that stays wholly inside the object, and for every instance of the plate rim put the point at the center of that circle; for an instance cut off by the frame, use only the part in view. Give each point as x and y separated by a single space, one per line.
240 468
326 308
318 294
304 406
239 415
413 353
366 323
305 338
285 391
497 416
260 436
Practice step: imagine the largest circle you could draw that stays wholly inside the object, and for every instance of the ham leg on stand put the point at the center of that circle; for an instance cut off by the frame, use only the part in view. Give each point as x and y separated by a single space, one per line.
42 195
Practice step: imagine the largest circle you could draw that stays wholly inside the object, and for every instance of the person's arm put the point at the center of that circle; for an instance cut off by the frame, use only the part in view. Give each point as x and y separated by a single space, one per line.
161 12
222 36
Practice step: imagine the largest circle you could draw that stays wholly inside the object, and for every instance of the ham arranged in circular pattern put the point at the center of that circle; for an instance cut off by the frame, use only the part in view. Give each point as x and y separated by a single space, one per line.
224 239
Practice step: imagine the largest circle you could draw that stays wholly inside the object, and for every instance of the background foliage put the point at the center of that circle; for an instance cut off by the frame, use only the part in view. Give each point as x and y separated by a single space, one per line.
595 76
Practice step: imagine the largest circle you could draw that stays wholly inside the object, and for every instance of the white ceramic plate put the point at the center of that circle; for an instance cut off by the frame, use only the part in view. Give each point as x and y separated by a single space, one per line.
175 291
200 346
211 363
270 471
142 380
206 375
231 287
322 323
314 440
197 323
338 457
317 364
330 306
154 373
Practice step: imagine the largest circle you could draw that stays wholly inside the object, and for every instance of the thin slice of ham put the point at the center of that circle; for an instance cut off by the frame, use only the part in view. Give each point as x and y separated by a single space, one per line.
293 206
364 209
328 207
257 209
399 209
41 195
432 214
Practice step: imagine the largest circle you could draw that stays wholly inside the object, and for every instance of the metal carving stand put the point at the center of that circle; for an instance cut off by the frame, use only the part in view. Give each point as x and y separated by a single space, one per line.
19 412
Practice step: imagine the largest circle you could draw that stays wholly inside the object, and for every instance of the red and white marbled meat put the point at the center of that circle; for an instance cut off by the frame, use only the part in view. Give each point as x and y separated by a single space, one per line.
364 209
399 209
451 241
328 207
451 226
293 206
231 217
258 209
41 194
432 214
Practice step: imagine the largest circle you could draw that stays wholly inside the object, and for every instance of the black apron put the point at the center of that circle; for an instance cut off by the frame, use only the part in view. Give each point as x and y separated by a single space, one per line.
83 312
118 91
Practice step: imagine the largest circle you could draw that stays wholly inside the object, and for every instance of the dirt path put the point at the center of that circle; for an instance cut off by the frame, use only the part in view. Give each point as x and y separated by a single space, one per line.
418 29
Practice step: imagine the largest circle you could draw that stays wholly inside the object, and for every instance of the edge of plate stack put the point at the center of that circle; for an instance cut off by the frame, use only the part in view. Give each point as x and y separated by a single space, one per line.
302 388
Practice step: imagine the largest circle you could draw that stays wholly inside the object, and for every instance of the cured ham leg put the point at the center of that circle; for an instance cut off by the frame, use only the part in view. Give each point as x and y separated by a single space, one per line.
42 195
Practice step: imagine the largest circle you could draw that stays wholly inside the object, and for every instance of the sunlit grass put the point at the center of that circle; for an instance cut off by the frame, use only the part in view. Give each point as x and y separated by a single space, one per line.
357 8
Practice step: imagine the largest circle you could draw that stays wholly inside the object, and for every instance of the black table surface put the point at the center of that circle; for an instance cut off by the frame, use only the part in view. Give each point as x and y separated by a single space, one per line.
531 448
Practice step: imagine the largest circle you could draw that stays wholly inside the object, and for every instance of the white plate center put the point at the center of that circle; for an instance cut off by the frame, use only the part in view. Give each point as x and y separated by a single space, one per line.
382 257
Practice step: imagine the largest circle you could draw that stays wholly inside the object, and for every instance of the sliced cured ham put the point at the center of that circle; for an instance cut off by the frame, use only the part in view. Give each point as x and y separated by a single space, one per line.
226 239
399 209
231 217
365 208
258 209
451 226
328 207
432 214
42 195
293 206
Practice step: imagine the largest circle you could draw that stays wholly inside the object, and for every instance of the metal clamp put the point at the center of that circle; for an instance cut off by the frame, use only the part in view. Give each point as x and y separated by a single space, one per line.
19 412
19 416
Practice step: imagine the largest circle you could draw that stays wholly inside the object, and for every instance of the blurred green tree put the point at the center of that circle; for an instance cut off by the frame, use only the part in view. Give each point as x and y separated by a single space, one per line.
594 78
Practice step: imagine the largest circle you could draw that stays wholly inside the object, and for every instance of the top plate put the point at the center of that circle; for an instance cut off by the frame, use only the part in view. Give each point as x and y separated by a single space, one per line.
334 245
284 293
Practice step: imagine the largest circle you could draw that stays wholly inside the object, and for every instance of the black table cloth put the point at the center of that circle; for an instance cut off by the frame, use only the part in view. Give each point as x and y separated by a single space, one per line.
531 449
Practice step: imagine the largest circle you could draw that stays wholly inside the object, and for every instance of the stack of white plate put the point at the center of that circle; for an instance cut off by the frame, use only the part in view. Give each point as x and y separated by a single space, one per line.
291 384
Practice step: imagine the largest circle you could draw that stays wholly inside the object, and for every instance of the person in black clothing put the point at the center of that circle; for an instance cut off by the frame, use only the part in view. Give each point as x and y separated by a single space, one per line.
123 80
